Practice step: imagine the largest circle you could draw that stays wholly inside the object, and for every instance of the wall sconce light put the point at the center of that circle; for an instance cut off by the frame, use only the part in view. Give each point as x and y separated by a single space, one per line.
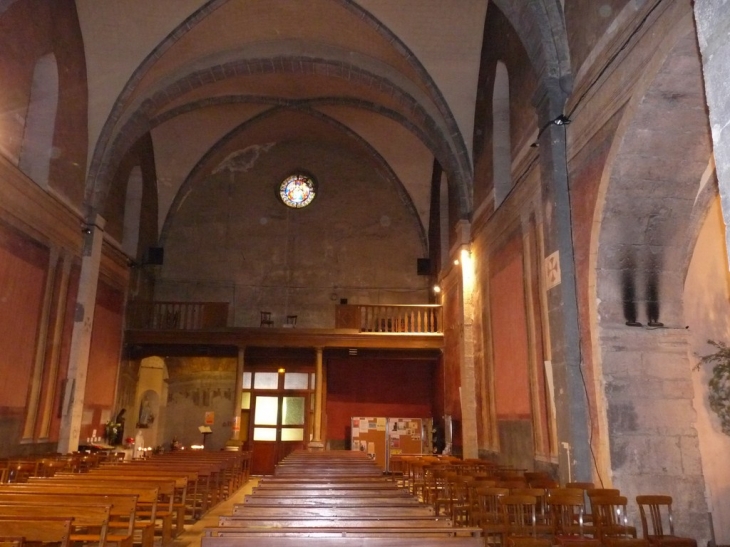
456 262
436 289
281 371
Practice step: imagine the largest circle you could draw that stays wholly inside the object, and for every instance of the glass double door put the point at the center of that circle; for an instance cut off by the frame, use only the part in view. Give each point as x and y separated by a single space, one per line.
278 427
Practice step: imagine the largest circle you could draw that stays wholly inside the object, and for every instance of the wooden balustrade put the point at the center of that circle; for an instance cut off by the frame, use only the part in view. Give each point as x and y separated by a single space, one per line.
390 318
410 319
177 315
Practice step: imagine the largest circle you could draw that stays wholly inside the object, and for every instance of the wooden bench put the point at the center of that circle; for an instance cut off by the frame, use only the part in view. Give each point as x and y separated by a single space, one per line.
162 511
341 537
270 511
90 522
203 489
361 521
121 515
37 529
332 501
182 480
146 499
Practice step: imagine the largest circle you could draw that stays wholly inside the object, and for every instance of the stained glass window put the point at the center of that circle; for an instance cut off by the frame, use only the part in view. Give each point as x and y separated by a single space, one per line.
297 190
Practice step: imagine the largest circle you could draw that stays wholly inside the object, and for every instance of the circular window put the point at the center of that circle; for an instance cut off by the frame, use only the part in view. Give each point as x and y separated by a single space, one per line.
297 190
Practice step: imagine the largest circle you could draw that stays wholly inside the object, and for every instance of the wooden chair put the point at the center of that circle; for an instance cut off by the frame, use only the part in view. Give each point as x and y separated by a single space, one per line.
657 509
291 321
543 525
518 516
591 493
443 494
266 320
460 500
567 512
488 515
611 520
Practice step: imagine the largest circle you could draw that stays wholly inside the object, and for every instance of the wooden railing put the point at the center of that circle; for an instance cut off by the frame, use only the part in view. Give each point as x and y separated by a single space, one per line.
177 315
403 319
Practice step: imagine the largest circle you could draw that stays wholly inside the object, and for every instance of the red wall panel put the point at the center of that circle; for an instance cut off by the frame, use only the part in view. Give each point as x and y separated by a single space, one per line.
509 333
106 340
23 268
380 388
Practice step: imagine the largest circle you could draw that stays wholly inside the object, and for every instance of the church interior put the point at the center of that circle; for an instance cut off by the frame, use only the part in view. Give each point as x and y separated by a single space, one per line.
504 217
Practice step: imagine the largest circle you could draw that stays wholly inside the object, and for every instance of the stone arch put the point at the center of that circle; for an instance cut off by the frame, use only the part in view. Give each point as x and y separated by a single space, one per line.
540 25
148 413
204 162
645 217
40 121
457 158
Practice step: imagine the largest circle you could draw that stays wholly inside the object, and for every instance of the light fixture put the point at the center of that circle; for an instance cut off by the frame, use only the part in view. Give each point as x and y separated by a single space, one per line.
456 262
282 371
436 289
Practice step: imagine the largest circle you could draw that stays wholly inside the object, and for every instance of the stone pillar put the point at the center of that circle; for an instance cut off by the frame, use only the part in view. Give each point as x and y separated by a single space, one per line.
237 399
571 402
466 369
318 398
713 20
73 399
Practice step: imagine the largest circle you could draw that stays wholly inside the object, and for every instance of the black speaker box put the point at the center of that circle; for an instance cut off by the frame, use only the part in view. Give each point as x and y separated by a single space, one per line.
423 266
155 256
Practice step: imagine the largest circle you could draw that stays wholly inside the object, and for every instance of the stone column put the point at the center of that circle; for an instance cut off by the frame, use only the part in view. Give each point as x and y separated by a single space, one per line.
73 399
470 444
713 20
317 440
571 402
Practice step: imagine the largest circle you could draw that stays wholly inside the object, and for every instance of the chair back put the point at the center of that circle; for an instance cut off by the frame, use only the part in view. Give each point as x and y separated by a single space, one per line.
567 512
518 515
609 514
489 509
658 510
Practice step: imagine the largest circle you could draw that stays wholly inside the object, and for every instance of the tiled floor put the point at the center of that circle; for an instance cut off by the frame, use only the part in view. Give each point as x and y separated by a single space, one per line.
193 532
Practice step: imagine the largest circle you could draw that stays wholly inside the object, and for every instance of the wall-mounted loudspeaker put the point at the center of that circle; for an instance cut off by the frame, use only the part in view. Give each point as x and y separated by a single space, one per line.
155 256
423 266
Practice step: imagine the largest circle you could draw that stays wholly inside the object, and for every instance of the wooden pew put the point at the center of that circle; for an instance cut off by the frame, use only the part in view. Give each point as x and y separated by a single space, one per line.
121 515
182 480
203 490
328 499
148 495
38 529
359 521
270 511
332 501
95 517
341 537
231 468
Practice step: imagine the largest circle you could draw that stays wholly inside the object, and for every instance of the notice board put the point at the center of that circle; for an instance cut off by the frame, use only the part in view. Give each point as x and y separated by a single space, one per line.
369 436
405 436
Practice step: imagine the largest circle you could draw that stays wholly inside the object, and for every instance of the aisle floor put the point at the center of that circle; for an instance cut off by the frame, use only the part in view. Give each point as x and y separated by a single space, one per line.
193 532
